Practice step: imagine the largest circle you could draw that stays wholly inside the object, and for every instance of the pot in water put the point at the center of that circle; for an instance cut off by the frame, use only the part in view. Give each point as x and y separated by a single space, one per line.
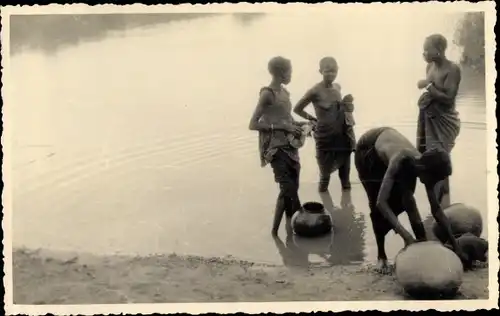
312 220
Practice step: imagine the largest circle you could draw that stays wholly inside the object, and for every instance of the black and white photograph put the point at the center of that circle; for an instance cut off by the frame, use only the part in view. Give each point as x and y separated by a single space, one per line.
285 157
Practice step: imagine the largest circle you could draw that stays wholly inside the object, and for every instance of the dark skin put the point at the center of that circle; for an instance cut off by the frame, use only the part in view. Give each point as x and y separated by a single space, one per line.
393 148
442 76
442 82
324 94
266 99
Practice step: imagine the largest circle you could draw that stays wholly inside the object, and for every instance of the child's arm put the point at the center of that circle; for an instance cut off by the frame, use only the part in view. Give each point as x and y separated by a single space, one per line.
348 107
299 108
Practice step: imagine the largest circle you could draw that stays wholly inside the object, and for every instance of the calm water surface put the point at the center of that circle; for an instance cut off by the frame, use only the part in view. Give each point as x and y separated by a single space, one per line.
138 143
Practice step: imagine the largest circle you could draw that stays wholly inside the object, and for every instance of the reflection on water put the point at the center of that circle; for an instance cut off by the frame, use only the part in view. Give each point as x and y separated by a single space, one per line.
348 244
138 142
344 246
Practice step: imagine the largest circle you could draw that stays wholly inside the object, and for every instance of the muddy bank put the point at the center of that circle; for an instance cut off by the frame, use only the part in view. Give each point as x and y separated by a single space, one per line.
42 277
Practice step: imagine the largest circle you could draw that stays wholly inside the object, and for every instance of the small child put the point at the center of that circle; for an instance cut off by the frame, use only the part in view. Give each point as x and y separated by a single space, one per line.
348 107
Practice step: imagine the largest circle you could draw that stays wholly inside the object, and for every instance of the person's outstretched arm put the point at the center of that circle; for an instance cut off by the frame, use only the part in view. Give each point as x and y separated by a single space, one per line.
442 220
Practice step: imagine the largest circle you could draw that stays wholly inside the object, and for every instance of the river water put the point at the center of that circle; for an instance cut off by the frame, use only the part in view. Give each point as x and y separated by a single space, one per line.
138 143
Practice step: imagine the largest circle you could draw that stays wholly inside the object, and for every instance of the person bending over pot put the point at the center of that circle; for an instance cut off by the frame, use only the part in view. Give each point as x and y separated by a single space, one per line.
388 165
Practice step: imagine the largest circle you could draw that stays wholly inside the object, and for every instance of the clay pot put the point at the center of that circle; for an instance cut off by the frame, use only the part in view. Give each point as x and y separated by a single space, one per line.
428 270
312 220
463 219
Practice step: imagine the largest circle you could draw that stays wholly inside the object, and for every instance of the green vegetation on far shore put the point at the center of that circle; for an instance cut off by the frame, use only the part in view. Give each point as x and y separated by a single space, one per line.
470 36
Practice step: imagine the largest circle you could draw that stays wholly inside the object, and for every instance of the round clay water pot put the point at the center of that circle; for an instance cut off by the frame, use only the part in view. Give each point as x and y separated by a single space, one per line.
312 220
463 219
428 270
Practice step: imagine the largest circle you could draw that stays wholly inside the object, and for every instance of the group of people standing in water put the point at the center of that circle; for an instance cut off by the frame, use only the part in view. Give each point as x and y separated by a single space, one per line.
388 163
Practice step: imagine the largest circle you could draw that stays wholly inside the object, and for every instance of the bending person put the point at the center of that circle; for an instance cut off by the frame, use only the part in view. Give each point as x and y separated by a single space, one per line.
388 166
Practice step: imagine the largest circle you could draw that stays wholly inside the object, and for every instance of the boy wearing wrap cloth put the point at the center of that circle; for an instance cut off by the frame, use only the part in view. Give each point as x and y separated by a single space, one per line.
273 120
438 122
334 133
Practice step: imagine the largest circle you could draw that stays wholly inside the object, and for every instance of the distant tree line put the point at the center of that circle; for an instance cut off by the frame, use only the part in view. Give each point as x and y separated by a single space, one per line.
53 31
469 36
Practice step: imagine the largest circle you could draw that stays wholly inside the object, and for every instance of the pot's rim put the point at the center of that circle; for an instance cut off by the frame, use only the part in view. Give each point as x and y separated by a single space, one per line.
313 207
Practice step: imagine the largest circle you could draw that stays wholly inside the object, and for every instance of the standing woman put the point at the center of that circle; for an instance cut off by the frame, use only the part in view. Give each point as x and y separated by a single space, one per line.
334 133
273 120
438 122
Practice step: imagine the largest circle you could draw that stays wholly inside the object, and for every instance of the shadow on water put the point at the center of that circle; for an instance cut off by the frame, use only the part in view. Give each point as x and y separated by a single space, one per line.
344 246
52 32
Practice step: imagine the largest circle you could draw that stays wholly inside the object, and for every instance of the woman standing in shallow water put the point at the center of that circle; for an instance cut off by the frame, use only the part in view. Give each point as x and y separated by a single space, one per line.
334 133
438 122
273 120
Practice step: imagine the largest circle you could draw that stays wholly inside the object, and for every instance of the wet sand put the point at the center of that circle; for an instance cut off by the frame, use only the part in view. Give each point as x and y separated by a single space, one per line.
43 277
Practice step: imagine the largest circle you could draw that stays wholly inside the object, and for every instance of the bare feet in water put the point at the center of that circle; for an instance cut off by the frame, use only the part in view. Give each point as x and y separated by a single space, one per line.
322 187
383 267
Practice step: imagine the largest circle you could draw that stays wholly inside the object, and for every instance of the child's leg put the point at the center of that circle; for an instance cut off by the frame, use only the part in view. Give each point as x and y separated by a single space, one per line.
278 214
345 173
286 174
292 200
352 137
325 166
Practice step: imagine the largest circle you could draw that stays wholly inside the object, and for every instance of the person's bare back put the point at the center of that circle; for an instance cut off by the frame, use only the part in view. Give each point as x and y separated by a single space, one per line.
388 166
391 144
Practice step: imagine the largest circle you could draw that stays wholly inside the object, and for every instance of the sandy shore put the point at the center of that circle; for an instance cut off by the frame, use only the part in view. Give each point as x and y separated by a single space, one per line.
43 277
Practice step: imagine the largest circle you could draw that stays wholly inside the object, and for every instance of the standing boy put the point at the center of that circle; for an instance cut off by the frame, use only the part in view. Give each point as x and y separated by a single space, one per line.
273 120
